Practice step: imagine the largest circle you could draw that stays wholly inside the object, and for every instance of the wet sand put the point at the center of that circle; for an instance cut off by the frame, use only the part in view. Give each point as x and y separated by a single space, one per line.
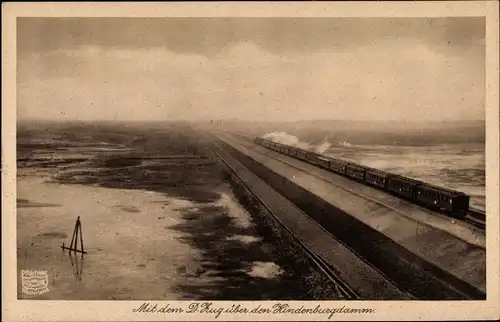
124 257
153 229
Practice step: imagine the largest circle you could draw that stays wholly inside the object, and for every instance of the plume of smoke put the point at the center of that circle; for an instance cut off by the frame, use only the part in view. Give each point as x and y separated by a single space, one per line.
285 138
345 144
323 147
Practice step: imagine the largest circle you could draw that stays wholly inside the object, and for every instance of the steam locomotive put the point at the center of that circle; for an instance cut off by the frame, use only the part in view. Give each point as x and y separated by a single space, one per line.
452 202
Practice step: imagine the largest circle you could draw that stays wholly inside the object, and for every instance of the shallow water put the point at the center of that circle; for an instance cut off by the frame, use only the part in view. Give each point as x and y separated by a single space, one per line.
155 229
124 257
142 245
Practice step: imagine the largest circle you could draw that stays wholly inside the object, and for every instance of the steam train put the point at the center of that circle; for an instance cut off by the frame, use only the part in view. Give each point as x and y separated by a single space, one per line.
452 202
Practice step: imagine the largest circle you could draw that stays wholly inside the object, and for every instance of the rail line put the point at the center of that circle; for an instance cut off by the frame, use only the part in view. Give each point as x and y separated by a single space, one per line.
343 290
437 282
477 221
475 217
477 213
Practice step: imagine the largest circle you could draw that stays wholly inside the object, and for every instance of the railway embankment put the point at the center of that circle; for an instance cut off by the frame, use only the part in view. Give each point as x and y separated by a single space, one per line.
416 258
302 238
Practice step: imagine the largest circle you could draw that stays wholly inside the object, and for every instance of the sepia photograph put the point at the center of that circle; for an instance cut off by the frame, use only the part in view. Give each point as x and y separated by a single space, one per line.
197 159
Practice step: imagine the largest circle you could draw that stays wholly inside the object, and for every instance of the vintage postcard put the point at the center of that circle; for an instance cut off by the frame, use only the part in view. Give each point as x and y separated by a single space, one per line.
250 161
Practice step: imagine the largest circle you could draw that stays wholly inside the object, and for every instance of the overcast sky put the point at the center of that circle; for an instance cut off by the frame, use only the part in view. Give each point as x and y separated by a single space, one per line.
251 68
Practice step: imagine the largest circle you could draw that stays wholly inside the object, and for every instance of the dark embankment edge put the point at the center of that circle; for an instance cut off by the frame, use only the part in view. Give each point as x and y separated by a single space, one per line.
408 271
293 257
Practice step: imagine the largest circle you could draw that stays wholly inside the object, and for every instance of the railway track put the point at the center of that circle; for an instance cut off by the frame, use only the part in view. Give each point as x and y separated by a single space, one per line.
415 277
343 291
474 217
477 213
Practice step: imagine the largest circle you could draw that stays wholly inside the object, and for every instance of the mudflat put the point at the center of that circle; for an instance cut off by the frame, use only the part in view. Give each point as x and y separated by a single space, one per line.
159 218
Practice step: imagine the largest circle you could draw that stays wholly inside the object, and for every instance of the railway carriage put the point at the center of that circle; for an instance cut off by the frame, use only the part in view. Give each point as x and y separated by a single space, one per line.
403 186
338 166
451 201
311 156
323 161
355 171
376 178
301 154
292 151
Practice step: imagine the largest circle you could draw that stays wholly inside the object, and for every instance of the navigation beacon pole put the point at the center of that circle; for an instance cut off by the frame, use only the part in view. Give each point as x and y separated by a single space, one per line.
74 239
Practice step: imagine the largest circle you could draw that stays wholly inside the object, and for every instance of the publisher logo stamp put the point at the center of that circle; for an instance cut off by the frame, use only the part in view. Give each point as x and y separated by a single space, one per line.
34 282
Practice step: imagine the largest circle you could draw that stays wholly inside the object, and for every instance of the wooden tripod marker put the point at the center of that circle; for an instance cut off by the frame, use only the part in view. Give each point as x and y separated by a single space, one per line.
74 239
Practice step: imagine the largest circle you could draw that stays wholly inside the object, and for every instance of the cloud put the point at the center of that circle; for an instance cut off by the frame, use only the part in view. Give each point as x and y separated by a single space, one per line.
394 80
